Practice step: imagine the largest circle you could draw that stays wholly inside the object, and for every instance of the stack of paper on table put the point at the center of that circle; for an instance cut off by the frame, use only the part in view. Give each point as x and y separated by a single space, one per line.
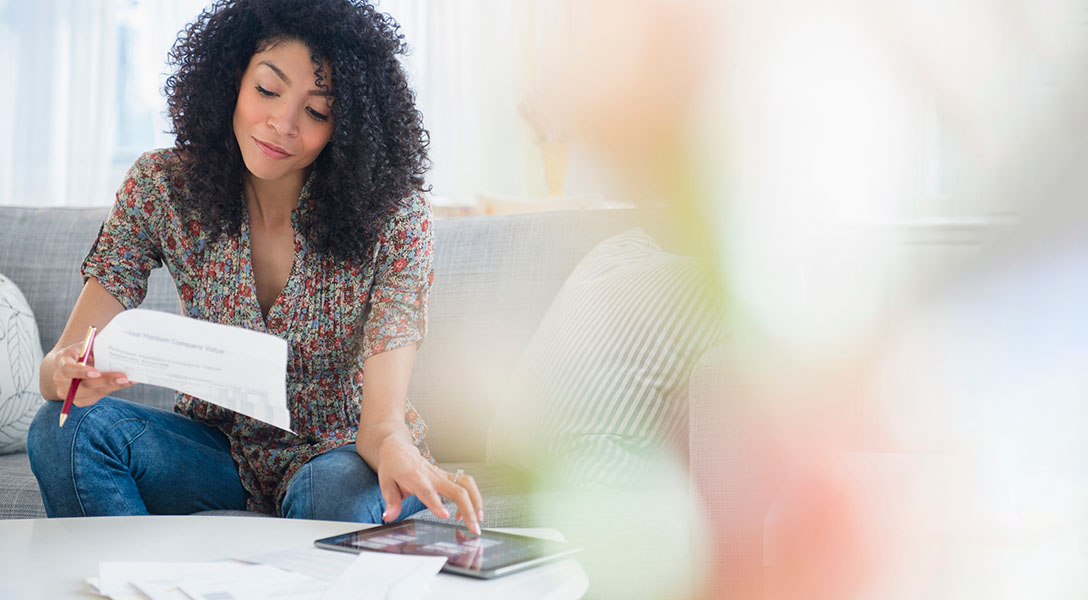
302 574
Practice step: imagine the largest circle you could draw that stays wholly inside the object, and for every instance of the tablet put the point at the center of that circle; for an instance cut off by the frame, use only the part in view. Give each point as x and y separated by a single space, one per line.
487 556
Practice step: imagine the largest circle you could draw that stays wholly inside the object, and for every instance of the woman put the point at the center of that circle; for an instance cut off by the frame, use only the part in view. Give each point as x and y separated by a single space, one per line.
291 203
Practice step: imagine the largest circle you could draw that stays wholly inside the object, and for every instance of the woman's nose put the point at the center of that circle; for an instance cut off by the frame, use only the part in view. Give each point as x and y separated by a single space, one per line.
284 121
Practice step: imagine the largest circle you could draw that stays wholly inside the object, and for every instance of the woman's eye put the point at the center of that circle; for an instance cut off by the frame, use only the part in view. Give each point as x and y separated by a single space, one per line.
317 115
264 92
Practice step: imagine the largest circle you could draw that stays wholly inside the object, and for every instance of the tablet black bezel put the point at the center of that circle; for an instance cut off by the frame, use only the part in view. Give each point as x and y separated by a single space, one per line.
553 550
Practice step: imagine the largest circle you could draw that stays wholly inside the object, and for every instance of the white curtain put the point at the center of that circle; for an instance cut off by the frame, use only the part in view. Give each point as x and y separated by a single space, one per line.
471 63
60 59
85 94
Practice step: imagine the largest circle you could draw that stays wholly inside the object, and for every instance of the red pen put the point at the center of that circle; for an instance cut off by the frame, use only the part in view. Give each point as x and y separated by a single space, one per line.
83 356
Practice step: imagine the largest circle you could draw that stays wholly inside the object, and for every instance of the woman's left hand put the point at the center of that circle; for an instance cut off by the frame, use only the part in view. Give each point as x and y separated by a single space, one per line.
403 472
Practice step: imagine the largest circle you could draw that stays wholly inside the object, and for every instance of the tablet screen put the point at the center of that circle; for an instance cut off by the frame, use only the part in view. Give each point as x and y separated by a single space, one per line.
486 555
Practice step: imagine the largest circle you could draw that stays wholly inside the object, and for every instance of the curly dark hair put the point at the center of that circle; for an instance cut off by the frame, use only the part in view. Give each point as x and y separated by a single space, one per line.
377 154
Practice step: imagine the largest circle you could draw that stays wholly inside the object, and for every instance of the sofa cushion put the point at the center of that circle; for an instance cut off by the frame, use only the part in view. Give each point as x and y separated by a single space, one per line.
20 361
494 280
601 386
19 495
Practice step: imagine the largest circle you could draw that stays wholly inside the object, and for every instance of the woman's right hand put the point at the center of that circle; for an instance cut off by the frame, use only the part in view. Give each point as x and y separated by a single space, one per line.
94 385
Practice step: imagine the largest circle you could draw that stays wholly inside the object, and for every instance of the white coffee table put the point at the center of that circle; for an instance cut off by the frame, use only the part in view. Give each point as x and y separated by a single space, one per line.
52 558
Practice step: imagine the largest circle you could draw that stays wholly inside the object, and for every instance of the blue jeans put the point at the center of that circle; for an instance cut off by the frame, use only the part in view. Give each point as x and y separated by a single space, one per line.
121 458
338 485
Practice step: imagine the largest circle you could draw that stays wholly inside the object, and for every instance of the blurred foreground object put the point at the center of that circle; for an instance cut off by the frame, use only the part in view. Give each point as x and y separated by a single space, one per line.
860 170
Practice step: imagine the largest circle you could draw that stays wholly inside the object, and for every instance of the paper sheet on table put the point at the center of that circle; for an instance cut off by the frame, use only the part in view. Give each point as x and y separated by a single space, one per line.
239 369
376 575
311 561
362 576
255 582
185 581
155 580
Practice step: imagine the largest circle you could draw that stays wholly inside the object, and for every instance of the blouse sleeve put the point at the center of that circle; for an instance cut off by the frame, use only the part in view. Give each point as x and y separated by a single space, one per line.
124 252
404 271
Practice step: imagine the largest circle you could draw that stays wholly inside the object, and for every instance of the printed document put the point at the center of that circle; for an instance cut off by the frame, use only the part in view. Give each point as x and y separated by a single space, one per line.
239 369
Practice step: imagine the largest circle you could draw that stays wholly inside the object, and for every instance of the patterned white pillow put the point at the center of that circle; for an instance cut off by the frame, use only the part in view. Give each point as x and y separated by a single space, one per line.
20 361
600 392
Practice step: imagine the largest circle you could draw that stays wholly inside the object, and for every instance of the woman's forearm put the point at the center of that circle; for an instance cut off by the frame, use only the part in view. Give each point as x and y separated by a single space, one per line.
95 306
45 381
381 419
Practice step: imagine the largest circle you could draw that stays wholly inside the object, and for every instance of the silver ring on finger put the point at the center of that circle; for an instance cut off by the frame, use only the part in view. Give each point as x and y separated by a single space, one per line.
458 475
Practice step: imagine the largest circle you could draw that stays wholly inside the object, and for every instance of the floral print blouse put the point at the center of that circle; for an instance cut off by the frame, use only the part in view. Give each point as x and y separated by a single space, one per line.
319 312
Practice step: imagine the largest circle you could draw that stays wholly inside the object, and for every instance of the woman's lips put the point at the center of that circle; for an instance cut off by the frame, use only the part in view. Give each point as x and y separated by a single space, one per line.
270 150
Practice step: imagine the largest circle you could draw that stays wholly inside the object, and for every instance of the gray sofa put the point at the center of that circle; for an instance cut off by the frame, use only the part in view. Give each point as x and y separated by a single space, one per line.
495 277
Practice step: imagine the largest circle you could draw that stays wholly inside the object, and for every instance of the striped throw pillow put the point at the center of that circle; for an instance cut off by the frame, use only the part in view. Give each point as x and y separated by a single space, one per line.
601 389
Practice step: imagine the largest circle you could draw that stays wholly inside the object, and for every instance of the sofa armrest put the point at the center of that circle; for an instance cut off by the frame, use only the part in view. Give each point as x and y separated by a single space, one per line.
735 472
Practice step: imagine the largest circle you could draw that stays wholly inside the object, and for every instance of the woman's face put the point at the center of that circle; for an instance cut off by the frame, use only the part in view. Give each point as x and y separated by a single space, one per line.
282 120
